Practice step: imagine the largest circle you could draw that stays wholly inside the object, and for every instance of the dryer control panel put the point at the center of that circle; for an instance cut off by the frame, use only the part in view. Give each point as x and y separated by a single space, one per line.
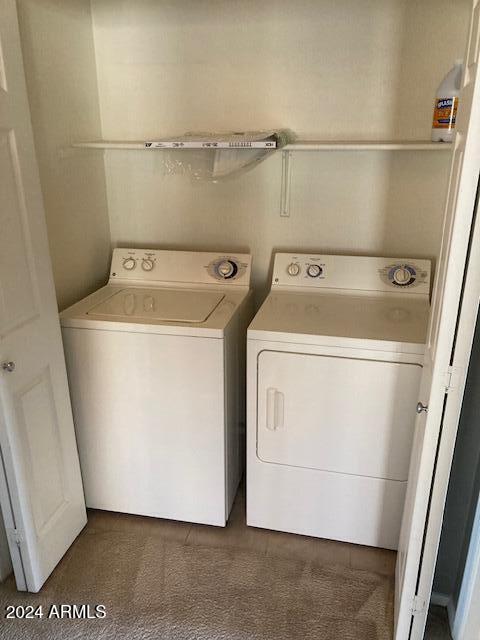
158 266
352 273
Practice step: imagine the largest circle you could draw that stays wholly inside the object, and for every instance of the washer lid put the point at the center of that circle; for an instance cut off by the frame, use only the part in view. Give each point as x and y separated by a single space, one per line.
167 305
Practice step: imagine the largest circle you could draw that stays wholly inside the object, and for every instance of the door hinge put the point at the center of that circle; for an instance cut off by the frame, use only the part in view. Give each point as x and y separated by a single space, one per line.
452 378
15 536
418 605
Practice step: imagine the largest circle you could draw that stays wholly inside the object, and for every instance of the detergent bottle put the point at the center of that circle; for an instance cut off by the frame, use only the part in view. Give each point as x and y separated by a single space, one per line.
446 104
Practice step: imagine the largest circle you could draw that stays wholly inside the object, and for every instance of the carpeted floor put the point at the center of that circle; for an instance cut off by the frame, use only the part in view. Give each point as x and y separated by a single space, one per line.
174 581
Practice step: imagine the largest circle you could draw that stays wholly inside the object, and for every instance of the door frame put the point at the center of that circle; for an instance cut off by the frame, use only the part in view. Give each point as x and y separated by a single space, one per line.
455 387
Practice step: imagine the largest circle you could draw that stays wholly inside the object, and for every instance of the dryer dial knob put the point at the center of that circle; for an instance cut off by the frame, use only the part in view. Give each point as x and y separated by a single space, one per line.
293 269
314 270
129 264
402 276
147 264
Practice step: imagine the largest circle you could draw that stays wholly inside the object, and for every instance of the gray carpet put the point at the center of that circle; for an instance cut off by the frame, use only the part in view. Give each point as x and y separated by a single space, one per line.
163 580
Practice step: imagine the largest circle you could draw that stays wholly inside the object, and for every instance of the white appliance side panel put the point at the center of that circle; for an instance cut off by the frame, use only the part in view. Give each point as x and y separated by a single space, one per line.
341 415
149 419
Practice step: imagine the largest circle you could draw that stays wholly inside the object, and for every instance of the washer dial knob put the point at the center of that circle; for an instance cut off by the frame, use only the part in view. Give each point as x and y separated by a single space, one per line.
314 270
293 269
226 269
147 264
129 264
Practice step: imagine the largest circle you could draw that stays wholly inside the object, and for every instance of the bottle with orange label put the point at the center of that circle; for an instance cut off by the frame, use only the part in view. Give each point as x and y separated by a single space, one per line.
446 104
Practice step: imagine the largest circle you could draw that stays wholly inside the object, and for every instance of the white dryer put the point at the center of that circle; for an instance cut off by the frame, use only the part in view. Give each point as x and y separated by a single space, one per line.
155 361
334 359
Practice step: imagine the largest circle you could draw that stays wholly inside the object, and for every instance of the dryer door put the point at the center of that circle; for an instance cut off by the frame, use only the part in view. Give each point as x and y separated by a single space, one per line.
342 415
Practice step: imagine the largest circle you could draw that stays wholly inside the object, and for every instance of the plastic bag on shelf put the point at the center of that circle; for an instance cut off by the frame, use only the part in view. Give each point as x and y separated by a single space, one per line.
213 163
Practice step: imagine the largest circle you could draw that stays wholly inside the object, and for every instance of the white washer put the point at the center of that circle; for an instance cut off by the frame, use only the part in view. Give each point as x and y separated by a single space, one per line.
334 359
156 368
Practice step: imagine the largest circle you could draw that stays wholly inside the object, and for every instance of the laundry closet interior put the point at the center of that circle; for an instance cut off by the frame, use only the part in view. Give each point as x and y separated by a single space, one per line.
349 71
358 73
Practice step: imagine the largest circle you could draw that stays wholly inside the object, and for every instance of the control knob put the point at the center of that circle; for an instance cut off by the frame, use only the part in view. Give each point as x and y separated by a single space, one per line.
314 270
402 276
147 264
293 269
226 269
129 264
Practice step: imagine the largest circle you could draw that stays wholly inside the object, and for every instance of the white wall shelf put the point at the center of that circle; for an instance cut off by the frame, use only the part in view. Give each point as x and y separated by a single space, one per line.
300 145
366 145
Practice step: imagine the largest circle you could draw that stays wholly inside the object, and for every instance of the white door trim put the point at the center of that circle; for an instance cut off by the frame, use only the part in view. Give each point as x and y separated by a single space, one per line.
452 408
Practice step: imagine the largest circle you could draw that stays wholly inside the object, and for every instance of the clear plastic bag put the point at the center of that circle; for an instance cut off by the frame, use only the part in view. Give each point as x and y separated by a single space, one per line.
215 164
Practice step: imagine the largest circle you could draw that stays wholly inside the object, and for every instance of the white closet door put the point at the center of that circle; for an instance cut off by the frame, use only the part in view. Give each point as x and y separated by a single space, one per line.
41 490
445 361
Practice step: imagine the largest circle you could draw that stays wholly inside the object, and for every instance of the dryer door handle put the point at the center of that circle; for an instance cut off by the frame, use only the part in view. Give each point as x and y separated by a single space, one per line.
275 409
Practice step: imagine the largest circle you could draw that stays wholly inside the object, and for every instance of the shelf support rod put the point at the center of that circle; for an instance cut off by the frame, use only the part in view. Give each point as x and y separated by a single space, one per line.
285 189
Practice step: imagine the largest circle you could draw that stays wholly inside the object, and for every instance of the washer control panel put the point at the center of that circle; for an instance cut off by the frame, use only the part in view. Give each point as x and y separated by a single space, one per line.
352 273
195 267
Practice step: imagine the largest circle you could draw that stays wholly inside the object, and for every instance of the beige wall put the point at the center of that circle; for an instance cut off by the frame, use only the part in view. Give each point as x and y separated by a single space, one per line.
335 70
361 203
59 58
355 68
